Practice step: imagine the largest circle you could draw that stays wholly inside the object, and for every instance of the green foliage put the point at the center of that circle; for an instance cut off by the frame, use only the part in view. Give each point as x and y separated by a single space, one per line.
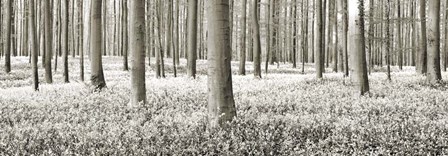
282 114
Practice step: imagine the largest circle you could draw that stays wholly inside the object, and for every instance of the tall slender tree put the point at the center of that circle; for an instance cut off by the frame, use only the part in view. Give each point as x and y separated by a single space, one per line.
400 38
330 32
445 53
324 37
58 34
65 40
96 64
268 34
8 31
423 65
48 41
81 43
305 50
242 67
86 35
319 38
173 39
33 41
388 39
256 40
176 42
192 37
221 105
345 36
160 69
295 34
104 31
169 35
434 71
125 32
371 35
273 32
357 45
137 49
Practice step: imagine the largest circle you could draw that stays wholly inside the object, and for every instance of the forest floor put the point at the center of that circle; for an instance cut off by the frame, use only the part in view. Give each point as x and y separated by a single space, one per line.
285 113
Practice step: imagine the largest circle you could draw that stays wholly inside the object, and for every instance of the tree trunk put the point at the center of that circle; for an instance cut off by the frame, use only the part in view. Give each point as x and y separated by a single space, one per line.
357 46
25 33
81 40
414 33
58 35
242 67
86 33
295 34
160 71
268 34
256 40
334 36
176 33
8 31
125 36
388 38
168 31
40 29
305 35
319 38
96 65
324 37
445 53
137 49
273 32
48 41
434 71
371 36
221 105
345 36
104 24
65 40
33 41
73 30
192 37
400 39
1 33
330 32
424 49
173 41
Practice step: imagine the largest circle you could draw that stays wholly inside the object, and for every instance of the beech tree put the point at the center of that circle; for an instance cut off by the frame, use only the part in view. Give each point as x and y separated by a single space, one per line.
192 36
357 45
256 40
65 40
8 31
137 49
48 41
242 56
221 105
445 53
345 36
319 38
96 64
400 40
388 44
124 46
423 41
434 71
33 41
168 32
310 31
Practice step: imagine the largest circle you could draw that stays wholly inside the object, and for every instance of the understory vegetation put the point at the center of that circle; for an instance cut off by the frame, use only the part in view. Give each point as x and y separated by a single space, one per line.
284 113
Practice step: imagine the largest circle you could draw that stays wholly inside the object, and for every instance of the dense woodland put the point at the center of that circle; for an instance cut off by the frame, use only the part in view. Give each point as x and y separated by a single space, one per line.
341 43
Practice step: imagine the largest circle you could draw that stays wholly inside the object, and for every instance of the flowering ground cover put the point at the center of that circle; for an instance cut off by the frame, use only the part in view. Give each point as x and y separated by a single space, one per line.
285 113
